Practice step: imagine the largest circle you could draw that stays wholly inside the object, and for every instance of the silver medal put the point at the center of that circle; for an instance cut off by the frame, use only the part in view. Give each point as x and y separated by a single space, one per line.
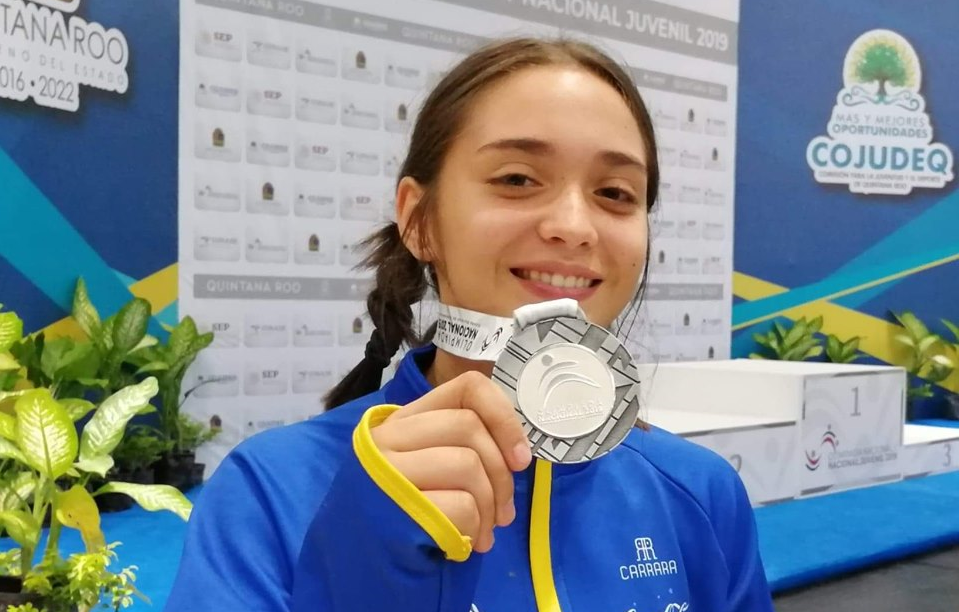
574 387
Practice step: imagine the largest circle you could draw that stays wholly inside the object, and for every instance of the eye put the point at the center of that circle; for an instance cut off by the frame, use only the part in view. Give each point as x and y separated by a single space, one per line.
617 194
514 179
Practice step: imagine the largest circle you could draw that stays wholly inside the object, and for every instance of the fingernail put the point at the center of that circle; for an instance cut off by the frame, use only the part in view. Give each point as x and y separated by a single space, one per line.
522 455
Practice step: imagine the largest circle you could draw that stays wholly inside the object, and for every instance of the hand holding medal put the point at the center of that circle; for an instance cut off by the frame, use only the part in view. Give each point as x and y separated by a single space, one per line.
571 382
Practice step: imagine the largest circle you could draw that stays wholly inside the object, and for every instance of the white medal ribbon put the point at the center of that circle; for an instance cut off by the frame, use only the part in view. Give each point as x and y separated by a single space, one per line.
483 337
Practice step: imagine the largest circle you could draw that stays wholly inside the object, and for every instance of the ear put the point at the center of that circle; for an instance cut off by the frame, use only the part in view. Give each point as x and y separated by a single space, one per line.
409 194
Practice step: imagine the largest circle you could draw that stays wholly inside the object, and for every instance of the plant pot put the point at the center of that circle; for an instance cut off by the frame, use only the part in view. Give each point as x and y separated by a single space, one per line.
176 470
111 502
145 476
11 593
196 477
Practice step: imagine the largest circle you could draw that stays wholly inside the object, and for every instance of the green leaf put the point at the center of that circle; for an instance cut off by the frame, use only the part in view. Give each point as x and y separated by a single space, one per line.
8 426
95 465
761 340
146 342
22 527
81 362
5 395
795 334
45 433
153 366
952 328
94 382
780 330
7 362
77 408
52 355
815 325
15 491
152 497
833 348
775 344
9 450
904 339
107 333
86 314
926 343
67 359
801 350
201 342
105 429
182 338
11 330
148 354
815 351
131 325
916 328
756 356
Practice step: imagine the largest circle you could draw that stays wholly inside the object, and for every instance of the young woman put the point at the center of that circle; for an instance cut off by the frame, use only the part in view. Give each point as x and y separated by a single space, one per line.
530 174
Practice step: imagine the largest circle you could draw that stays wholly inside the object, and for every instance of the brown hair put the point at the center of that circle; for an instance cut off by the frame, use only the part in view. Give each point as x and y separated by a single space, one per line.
400 279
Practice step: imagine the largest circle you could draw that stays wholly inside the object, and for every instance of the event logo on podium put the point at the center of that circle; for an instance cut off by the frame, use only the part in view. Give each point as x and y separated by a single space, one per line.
46 54
880 139
814 456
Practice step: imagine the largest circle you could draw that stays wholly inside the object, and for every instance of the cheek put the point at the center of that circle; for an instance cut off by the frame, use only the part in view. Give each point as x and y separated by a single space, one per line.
626 245
471 240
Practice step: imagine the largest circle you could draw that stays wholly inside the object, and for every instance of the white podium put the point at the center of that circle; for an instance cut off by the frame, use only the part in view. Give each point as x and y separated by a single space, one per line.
791 429
929 450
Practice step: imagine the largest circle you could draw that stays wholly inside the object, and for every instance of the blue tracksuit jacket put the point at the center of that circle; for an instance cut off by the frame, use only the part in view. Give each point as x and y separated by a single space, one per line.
310 518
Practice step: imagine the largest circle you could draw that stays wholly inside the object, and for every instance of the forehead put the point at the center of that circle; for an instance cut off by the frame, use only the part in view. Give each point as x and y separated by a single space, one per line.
565 105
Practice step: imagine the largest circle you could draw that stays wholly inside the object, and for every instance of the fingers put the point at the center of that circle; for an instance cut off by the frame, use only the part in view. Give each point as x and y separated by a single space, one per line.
476 392
457 428
460 508
452 469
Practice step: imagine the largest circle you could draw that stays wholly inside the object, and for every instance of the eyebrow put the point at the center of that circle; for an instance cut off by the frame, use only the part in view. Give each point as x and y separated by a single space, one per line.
535 146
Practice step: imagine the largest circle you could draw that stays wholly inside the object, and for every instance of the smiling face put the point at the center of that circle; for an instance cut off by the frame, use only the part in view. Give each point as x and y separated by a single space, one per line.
542 195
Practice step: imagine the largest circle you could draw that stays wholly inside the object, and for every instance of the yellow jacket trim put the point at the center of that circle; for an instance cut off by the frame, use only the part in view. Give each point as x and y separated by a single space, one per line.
424 512
540 557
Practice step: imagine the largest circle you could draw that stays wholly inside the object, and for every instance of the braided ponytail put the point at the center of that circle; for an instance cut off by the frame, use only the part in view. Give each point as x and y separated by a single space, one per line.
400 282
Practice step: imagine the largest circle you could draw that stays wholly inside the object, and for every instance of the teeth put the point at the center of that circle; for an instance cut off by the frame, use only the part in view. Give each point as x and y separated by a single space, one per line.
556 280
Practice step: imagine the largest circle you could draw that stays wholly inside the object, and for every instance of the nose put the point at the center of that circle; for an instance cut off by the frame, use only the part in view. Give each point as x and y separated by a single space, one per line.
569 220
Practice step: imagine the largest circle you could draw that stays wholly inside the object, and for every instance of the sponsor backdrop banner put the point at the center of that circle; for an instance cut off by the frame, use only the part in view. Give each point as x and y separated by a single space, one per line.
293 123
846 195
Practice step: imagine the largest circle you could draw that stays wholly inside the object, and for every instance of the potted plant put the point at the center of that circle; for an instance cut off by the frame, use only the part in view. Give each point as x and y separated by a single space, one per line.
796 343
952 400
169 361
91 367
45 465
839 351
925 362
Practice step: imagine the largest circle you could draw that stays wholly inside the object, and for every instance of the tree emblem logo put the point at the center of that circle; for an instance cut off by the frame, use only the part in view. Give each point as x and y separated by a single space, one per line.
881 67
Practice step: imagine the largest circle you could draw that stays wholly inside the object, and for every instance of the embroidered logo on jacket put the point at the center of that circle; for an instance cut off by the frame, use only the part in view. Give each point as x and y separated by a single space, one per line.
647 563
673 607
